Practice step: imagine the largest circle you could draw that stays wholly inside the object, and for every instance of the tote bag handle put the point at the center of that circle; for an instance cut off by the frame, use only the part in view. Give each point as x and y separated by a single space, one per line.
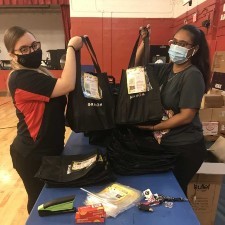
146 53
91 51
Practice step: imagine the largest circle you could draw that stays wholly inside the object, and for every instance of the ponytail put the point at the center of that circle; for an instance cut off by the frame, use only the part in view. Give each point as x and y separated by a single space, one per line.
201 58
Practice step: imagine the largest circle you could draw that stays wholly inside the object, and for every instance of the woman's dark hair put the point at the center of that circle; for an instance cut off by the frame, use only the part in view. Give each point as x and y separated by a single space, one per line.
12 35
201 58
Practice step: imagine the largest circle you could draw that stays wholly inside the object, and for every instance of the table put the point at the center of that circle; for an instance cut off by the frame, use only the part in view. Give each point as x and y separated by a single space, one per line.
161 183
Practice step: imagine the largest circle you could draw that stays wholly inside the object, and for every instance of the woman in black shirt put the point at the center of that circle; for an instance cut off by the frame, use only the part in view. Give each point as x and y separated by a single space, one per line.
40 101
185 81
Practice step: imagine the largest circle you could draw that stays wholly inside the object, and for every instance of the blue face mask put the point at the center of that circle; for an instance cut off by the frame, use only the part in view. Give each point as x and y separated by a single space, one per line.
178 54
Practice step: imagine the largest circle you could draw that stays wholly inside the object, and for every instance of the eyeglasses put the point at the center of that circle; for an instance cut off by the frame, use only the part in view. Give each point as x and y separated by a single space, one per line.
179 43
27 49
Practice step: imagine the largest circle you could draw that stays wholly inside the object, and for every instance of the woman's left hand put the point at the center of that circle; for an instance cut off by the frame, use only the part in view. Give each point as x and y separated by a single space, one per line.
76 42
147 127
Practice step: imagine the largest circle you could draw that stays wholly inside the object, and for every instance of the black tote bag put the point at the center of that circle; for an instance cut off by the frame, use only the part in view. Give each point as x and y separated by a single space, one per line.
75 170
133 151
85 114
141 108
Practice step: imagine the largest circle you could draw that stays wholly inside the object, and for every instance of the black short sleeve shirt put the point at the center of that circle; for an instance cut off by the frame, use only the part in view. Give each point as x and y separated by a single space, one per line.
41 125
182 90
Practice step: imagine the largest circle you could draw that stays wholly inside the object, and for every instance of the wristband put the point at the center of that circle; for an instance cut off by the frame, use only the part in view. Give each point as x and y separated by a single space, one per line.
71 47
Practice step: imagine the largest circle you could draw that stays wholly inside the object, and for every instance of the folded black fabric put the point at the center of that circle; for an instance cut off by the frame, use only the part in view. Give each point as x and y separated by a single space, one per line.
75 170
134 151
99 137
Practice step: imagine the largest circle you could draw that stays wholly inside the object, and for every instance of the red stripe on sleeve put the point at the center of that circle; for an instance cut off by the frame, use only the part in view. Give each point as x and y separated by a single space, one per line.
32 106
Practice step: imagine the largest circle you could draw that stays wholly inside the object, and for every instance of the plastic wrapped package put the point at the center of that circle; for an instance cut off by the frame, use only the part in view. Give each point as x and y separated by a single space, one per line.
115 198
90 86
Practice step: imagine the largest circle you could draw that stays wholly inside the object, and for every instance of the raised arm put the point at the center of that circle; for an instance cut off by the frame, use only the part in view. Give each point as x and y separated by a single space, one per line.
145 35
66 83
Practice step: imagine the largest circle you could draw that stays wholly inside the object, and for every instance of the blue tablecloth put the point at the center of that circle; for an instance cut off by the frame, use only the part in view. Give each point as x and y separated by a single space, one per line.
161 183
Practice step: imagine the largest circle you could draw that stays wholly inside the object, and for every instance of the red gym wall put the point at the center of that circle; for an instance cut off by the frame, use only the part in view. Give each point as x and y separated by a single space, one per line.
113 38
215 34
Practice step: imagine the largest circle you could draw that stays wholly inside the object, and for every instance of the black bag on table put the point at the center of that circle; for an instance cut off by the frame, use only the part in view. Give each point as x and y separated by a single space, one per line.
99 137
103 137
141 108
133 151
75 170
85 114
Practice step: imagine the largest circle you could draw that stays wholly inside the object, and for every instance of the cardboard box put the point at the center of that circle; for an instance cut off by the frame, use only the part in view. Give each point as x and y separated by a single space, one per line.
90 213
91 210
210 128
205 114
93 219
213 101
204 188
212 115
222 128
211 138
218 114
218 62
218 149
215 91
203 194
223 94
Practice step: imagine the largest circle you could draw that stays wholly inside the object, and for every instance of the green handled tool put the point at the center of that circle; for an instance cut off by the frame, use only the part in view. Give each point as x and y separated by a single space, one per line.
57 206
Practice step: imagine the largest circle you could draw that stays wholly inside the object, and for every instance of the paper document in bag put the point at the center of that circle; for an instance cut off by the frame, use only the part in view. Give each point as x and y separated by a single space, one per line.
90 86
137 80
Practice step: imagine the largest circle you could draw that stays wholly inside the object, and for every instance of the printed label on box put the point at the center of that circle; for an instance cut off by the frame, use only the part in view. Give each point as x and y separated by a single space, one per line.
210 128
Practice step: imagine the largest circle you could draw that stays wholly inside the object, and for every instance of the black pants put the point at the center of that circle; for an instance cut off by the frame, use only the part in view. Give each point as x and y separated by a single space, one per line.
27 167
188 160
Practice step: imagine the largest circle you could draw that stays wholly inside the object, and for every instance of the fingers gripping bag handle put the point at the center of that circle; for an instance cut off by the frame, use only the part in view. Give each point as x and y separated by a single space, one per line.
134 52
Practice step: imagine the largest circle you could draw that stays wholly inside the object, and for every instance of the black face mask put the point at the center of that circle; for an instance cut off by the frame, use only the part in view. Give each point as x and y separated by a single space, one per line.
31 60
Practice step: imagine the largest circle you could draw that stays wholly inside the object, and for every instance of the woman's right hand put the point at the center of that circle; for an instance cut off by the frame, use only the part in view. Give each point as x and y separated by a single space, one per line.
76 42
145 32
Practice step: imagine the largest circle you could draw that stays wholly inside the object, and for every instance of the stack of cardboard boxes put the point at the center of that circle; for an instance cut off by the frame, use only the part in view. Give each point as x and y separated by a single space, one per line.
212 115
204 189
